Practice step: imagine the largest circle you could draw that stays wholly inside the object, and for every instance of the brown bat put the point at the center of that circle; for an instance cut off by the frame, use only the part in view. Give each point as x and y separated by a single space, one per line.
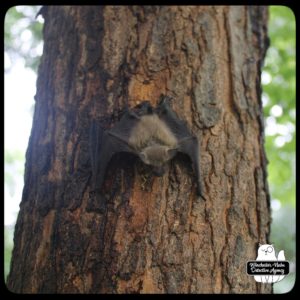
155 135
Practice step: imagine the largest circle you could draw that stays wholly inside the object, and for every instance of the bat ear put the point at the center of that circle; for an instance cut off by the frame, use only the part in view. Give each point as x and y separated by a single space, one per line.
144 157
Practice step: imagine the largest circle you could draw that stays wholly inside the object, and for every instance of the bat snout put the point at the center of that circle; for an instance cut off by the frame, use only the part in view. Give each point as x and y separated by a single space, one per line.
159 171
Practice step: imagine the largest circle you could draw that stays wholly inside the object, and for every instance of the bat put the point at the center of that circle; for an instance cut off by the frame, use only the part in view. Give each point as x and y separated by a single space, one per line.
155 135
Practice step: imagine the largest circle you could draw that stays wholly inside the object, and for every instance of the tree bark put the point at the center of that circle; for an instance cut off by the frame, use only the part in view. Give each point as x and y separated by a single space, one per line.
155 235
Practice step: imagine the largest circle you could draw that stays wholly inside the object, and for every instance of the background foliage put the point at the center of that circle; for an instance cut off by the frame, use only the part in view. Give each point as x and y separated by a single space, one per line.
279 86
23 39
23 35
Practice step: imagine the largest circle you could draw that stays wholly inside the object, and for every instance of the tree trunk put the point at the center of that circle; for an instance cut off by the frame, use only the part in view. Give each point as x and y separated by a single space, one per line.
155 235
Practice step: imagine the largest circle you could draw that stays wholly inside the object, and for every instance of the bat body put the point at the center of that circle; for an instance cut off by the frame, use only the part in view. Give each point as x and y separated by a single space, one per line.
155 135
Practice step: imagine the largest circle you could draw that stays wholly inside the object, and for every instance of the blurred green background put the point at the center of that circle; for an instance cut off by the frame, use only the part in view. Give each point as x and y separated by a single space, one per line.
23 47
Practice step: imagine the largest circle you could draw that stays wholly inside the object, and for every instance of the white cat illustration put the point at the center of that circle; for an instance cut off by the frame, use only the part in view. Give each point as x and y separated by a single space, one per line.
266 252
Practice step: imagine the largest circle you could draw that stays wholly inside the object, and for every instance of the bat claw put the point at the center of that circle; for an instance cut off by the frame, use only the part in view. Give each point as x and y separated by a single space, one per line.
164 98
199 192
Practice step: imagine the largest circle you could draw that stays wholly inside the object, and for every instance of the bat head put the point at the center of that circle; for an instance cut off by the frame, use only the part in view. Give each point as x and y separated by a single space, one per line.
157 156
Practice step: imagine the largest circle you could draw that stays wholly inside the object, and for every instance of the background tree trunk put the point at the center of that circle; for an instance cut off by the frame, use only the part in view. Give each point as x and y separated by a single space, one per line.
155 235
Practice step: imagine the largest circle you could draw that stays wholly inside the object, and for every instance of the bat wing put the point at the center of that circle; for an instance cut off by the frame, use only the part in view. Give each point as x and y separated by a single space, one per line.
187 143
105 144
177 126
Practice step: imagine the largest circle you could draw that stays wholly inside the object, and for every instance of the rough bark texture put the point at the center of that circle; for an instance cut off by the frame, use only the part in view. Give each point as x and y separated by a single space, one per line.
155 235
